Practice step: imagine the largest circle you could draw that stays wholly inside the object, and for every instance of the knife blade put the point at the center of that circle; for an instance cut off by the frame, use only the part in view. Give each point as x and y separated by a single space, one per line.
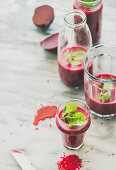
22 160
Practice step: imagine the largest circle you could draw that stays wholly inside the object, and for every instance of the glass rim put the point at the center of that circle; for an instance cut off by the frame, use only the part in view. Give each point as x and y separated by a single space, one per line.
90 75
96 2
69 101
76 11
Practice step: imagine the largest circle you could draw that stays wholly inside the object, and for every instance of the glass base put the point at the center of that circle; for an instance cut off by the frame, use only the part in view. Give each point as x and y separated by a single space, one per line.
103 116
75 147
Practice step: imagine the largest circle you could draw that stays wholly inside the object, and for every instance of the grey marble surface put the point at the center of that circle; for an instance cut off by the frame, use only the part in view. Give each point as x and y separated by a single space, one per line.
25 69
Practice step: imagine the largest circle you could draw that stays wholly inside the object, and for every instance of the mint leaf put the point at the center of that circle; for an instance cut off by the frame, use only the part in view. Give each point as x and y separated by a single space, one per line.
76 63
79 115
105 96
71 107
68 56
108 86
88 0
92 8
64 112
112 78
78 55
81 123
71 120
77 118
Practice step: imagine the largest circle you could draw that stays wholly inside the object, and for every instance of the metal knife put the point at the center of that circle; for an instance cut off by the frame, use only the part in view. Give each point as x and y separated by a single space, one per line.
22 160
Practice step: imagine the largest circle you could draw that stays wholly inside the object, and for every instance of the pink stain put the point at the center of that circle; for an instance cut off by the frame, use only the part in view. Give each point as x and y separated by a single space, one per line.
16 151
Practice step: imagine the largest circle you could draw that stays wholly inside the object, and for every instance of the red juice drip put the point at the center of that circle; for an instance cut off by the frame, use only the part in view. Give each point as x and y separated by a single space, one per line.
45 112
71 162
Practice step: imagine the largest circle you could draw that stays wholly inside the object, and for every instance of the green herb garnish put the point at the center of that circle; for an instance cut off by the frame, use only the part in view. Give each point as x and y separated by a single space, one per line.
112 78
71 116
71 107
91 8
88 0
107 86
105 96
76 57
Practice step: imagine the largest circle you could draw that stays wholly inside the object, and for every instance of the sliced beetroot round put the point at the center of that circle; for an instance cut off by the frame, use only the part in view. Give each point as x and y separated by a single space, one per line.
50 42
43 16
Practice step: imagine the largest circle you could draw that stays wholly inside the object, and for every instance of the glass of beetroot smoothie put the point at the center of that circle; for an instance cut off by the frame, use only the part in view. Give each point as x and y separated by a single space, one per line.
73 42
93 11
100 86
73 120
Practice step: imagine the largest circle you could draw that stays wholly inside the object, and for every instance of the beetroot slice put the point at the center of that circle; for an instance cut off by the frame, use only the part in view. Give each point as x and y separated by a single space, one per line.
43 16
50 42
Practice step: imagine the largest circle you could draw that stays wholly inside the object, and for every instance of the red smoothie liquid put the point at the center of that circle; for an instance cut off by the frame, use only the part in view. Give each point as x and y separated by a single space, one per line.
73 136
71 75
102 107
94 20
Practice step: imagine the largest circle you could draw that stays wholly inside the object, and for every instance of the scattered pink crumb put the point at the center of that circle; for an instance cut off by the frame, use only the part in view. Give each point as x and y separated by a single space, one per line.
41 105
36 128
10 133
3 141
21 125
50 125
113 154
55 153
31 164
48 81
87 151
91 148
86 161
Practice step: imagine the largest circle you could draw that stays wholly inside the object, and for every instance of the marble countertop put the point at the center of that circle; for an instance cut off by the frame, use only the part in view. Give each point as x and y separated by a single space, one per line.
29 77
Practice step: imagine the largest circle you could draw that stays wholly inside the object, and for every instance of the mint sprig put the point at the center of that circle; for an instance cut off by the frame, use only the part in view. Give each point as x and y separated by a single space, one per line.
88 0
107 86
112 78
76 57
71 107
71 116
105 96
92 8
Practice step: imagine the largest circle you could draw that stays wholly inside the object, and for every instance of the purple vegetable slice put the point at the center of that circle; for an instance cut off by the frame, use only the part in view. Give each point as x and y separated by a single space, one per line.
50 42
43 16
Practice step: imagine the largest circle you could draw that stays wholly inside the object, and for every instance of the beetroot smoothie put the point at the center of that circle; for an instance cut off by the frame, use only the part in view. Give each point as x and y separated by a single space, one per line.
101 101
94 18
71 75
73 135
